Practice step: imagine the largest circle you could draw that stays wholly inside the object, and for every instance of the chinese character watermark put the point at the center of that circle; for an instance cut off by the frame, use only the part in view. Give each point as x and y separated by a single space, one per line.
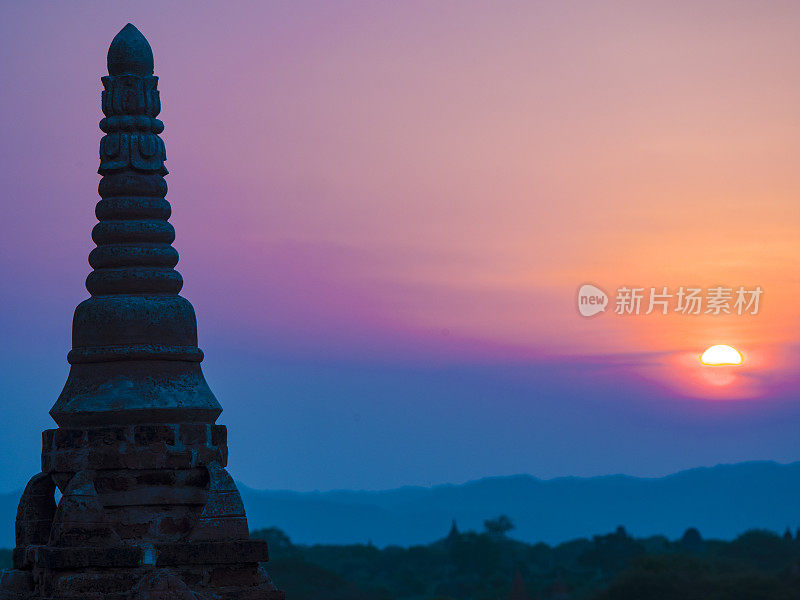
684 300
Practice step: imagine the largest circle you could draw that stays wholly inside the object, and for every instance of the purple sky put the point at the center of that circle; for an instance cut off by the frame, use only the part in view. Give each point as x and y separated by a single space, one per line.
384 210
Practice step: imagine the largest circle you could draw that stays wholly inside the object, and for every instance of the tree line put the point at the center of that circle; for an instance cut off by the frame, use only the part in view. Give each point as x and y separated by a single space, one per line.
491 565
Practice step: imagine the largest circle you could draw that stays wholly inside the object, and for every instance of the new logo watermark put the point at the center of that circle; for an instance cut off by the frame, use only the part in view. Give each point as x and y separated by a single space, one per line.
591 300
684 300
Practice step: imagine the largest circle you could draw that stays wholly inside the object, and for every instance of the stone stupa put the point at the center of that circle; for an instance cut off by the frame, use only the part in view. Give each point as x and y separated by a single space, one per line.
147 510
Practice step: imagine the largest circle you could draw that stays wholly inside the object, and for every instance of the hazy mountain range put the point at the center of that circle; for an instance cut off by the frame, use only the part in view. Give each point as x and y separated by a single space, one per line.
721 501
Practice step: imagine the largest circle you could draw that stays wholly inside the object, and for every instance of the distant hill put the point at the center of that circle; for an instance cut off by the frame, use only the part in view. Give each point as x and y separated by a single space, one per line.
721 501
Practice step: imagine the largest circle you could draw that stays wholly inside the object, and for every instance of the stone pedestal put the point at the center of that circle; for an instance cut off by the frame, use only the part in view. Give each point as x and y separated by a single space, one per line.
147 510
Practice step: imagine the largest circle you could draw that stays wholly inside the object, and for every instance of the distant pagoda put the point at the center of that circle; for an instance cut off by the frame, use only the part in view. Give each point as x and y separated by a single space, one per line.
148 511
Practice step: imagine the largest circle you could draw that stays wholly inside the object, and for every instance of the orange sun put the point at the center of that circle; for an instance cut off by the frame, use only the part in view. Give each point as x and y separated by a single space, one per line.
720 355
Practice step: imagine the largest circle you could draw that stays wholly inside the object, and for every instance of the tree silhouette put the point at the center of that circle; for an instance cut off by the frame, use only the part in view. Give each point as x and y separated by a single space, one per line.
498 527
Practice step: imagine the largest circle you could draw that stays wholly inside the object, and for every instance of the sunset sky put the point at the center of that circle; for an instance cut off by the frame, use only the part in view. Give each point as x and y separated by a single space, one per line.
384 211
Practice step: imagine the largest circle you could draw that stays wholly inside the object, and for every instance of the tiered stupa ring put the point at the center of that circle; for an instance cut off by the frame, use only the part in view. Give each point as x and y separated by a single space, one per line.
134 351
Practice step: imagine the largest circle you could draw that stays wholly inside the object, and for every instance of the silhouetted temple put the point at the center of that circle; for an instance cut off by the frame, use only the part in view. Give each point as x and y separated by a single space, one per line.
148 510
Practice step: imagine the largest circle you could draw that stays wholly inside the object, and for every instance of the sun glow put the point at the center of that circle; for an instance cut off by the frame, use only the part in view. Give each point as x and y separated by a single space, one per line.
720 355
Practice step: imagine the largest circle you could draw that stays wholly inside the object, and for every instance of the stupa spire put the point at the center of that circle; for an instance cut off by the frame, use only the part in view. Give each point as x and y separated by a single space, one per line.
148 510
130 53
134 351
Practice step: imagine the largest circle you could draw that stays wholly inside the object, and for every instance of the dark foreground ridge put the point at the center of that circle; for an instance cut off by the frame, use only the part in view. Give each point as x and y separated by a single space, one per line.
148 510
489 563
